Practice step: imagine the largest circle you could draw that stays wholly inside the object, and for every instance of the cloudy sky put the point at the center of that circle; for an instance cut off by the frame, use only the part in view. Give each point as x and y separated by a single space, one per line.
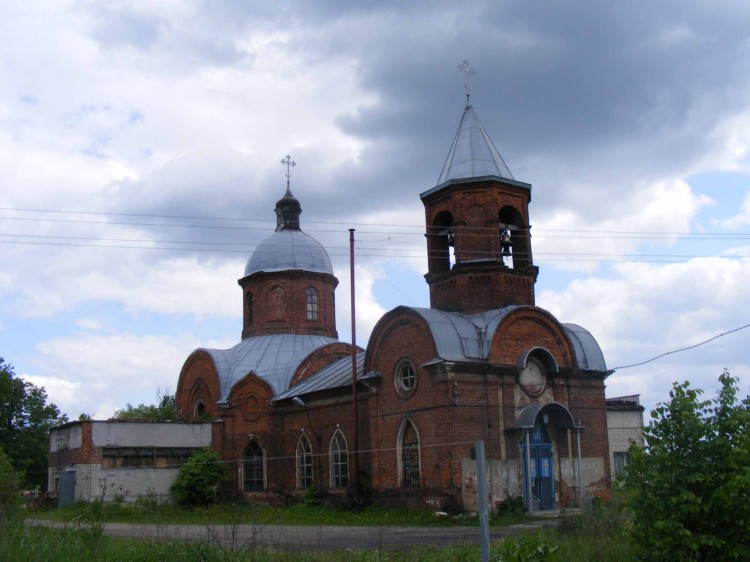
140 148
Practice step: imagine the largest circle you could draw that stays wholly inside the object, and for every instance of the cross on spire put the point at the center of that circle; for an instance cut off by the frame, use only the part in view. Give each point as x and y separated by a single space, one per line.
289 163
468 71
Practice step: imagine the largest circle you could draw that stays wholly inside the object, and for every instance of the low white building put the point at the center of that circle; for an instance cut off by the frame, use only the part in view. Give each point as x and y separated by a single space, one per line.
624 426
121 459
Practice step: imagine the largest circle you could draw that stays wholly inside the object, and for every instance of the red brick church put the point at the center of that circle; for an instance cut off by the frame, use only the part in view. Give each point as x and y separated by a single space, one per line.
482 363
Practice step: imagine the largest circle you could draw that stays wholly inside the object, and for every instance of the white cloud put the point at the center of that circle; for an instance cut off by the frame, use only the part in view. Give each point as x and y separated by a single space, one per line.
84 372
648 310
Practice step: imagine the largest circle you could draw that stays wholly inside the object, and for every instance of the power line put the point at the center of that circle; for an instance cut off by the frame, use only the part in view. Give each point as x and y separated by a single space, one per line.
684 348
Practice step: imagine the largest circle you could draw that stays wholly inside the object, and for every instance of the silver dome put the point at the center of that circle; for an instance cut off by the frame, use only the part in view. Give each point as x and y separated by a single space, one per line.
289 249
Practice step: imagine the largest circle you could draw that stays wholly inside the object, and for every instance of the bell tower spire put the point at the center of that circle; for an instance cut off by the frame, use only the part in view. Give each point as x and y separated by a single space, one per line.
478 232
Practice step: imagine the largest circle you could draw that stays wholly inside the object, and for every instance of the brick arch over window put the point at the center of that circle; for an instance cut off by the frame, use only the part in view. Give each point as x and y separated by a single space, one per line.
198 381
408 455
530 326
389 330
440 238
512 220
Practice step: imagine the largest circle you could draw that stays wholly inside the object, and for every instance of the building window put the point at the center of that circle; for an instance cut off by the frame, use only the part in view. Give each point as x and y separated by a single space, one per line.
199 409
128 457
339 461
304 464
254 468
409 448
312 303
621 461
277 308
405 377
249 307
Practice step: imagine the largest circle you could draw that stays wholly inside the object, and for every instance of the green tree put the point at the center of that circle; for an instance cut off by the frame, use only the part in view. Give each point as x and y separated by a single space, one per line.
163 411
8 491
200 479
690 483
25 420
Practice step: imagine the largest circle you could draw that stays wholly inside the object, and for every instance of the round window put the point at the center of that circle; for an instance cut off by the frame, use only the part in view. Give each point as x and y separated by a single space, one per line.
405 377
533 378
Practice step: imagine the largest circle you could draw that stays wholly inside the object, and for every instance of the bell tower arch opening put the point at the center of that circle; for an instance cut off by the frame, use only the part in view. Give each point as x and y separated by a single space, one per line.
440 240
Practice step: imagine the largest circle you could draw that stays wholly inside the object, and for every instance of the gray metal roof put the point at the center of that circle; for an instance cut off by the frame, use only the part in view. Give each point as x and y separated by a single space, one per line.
561 416
289 249
334 375
588 353
273 358
472 154
460 337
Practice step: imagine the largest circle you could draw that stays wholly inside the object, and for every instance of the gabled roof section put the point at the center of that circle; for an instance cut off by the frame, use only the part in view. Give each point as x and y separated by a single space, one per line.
334 375
473 154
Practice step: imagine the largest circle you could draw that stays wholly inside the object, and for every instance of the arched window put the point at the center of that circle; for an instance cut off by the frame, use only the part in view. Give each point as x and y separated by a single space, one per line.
339 458
409 452
278 304
312 303
254 468
439 241
514 238
304 463
199 409
249 308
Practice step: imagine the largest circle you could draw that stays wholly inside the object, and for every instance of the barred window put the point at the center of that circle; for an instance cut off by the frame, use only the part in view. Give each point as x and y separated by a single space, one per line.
312 303
410 456
339 461
304 463
254 468
131 457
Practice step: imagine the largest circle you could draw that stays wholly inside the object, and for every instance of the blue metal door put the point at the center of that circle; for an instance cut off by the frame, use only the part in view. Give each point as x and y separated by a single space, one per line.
540 475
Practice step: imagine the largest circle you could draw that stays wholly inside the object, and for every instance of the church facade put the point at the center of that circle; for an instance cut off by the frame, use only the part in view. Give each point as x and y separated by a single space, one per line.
483 362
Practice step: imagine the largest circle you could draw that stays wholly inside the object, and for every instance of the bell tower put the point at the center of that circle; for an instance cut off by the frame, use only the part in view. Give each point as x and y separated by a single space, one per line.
478 232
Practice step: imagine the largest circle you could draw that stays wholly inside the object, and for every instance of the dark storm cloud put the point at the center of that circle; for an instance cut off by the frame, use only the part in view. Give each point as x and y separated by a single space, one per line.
594 93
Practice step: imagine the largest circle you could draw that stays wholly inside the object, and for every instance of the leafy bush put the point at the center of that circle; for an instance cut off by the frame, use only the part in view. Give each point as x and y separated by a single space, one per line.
690 484
8 491
530 547
511 506
200 479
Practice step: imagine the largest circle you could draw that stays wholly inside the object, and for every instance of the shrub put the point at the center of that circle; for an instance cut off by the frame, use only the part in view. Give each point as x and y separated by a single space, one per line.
8 491
690 485
200 479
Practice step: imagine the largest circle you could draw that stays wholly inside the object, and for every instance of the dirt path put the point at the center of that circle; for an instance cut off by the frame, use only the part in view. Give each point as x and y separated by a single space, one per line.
307 538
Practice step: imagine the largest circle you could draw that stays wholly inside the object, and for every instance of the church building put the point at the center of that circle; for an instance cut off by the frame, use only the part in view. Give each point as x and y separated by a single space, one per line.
483 362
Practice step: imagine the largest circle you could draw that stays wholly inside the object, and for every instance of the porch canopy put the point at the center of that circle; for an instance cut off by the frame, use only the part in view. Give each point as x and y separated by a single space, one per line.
559 414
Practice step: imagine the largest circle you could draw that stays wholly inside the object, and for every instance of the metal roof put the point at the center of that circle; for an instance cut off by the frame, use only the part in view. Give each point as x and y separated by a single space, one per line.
472 154
559 414
334 375
287 250
273 358
589 355
460 337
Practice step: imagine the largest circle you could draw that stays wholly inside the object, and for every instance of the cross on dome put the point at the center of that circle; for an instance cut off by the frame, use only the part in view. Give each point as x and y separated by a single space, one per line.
468 71
289 163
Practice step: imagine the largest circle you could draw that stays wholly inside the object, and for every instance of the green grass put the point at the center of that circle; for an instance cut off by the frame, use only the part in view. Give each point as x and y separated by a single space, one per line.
298 514
62 545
